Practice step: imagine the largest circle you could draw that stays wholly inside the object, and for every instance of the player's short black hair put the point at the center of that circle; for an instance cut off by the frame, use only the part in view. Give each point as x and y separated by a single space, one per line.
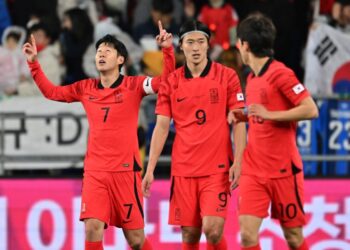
118 45
193 25
260 33
163 6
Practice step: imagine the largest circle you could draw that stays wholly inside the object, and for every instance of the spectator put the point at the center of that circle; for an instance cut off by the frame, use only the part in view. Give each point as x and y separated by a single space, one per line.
88 5
144 7
222 19
49 56
13 68
340 18
77 35
161 10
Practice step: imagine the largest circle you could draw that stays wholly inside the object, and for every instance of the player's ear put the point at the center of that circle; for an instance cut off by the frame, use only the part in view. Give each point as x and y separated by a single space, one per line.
180 44
121 59
245 45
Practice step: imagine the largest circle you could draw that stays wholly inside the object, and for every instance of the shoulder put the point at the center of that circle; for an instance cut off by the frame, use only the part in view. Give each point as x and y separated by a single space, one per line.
132 82
223 72
279 72
88 83
175 77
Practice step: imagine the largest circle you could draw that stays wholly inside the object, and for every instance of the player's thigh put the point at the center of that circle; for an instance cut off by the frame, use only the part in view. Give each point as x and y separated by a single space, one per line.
184 202
95 202
127 199
253 196
287 201
214 195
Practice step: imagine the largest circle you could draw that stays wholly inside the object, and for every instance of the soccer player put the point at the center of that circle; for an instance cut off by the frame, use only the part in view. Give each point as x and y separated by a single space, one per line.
271 167
111 192
198 96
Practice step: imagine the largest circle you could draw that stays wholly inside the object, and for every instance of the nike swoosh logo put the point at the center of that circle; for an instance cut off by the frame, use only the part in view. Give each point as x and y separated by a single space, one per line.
180 99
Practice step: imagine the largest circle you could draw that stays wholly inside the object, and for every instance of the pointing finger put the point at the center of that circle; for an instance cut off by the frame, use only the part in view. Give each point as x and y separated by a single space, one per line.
160 26
32 39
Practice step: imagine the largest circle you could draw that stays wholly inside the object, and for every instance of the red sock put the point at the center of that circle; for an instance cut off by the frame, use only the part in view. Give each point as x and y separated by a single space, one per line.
146 245
97 245
190 246
222 245
257 247
303 246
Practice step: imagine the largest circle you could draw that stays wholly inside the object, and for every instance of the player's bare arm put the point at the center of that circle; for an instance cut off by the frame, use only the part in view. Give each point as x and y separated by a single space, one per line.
306 110
160 133
239 135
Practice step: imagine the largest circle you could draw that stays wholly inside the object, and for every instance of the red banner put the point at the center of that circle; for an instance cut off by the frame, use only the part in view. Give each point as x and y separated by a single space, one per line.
43 214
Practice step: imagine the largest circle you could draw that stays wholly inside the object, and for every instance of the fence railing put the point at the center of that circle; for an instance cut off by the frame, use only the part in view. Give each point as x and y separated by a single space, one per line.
58 140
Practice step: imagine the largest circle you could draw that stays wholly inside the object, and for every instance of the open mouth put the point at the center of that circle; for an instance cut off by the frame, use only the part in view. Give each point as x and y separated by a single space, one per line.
101 62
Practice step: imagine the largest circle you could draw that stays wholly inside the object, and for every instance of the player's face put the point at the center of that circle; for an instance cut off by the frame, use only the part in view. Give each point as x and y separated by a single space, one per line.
195 47
107 58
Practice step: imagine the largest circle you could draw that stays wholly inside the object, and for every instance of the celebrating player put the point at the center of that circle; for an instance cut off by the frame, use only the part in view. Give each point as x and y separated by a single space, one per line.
198 97
271 167
111 192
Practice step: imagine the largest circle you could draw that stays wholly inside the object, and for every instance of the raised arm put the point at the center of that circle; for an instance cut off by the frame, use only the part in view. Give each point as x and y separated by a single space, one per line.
165 41
68 93
160 133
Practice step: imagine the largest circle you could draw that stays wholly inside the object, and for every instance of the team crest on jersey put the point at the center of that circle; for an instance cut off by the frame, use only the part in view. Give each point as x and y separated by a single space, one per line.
214 95
118 97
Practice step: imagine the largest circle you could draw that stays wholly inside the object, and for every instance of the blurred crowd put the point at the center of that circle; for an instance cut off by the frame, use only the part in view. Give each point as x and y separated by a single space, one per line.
66 31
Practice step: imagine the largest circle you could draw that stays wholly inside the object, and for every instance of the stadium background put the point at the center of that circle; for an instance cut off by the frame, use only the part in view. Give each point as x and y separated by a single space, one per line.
42 143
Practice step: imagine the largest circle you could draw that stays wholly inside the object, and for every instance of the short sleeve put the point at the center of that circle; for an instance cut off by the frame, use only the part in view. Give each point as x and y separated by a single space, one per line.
289 85
163 102
235 97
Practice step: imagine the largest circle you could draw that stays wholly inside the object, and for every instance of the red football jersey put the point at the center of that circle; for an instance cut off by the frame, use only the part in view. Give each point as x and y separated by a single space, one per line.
112 114
199 107
219 21
272 148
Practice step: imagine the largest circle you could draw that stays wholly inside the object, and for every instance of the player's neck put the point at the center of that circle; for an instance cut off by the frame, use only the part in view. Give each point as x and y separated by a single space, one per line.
108 78
257 63
197 69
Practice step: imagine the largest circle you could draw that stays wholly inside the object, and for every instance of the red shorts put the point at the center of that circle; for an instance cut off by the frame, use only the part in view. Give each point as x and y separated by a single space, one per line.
286 196
192 198
114 198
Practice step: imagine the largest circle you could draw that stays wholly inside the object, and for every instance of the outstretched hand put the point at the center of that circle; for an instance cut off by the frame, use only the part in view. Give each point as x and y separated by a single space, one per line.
29 49
164 39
